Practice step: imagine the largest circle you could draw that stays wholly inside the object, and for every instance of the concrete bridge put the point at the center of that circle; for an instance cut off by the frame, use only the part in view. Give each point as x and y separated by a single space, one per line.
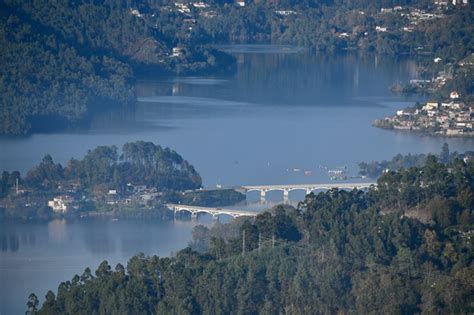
215 212
263 189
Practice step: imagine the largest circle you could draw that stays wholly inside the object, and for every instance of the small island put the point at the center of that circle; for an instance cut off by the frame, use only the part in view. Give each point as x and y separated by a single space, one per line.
135 182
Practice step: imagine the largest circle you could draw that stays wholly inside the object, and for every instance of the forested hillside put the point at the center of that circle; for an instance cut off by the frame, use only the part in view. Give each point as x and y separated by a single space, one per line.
62 61
339 252
413 27
46 84
374 169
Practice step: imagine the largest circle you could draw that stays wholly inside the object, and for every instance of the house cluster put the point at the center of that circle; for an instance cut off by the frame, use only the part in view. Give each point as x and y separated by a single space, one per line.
186 8
133 194
177 52
204 7
62 203
468 61
435 82
416 16
391 10
444 3
413 15
136 194
182 8
286 12
449 118
200 5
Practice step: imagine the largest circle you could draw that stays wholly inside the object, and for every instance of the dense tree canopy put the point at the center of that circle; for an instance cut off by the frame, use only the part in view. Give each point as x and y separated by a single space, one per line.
339 252
140 163
47 83
376 168
61 62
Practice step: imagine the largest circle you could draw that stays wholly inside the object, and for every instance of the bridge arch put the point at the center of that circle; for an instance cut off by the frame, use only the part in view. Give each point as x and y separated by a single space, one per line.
178 210
214 212
253 189
275 189
306 189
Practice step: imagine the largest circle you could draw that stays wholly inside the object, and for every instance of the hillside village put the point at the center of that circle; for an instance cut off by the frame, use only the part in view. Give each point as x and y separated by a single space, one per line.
448 118
440 81
450 112
199 19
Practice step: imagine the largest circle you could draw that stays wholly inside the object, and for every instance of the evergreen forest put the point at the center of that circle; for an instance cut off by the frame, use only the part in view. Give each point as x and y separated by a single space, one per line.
403 247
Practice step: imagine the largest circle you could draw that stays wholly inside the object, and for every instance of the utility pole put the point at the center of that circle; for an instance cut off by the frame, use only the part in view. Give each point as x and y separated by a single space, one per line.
243 243
273 241
16 186
259 242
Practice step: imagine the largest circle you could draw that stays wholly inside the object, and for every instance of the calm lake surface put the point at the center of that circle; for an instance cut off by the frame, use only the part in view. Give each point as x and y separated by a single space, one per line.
282 113
36 257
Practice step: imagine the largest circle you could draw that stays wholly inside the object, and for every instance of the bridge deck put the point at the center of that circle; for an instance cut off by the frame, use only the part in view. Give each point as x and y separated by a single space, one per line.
309 186
210 210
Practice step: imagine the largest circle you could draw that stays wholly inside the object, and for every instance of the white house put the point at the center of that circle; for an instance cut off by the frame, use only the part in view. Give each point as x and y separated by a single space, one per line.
136 13
177 51
285 12
430 106
200 5
61 203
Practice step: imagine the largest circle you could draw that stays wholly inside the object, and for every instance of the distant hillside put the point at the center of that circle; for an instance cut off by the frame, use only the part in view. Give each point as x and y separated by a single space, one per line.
61 61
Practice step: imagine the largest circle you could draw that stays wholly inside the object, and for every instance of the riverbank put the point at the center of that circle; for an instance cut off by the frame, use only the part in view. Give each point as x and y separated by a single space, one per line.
145 206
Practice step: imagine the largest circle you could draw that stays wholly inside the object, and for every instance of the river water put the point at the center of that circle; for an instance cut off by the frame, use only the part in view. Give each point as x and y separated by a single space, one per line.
283 117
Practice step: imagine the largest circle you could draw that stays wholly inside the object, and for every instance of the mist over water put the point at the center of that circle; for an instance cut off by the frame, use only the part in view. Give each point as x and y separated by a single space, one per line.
282 113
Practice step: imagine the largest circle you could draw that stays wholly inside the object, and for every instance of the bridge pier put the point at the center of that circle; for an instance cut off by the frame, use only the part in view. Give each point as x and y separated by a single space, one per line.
194 216
215 218
263 195
308 191
286 196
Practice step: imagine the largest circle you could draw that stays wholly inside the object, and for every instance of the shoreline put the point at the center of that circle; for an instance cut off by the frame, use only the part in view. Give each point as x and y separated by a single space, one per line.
422 133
